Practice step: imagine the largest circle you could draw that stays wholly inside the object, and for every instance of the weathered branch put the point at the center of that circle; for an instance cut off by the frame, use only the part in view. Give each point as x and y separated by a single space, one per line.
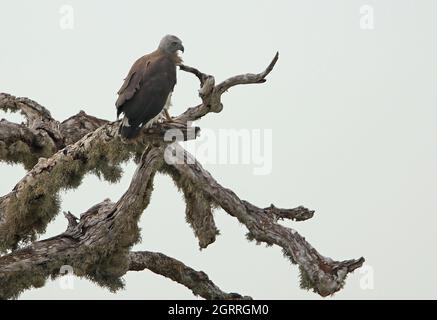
200 75
199 215
296 214
31 110
211 93
34 201
76 127
97 245
321 274
197 281
20 144
37 117
198 212
247 78
41 136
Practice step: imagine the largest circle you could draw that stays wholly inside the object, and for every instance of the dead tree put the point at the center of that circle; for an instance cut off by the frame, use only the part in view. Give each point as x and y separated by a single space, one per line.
97 245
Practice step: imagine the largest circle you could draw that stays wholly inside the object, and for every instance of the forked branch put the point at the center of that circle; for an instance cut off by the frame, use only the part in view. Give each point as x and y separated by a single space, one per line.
98 244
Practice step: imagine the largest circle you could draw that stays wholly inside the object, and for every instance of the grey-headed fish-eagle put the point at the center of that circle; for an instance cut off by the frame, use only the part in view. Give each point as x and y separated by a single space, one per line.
145 95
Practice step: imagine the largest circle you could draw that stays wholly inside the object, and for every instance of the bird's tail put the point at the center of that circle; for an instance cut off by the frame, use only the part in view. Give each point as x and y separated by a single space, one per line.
127 130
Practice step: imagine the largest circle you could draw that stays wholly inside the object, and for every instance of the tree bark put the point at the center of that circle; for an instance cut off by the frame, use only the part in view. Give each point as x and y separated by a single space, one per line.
97 246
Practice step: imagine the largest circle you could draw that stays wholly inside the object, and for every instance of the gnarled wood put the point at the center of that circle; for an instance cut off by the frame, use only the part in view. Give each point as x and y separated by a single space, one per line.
87 248
197 281
323 275
98 244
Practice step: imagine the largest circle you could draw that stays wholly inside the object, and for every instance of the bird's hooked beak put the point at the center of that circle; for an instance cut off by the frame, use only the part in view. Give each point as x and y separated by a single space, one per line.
181 47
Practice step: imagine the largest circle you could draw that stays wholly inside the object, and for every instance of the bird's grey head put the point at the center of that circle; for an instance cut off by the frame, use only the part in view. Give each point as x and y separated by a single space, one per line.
171 44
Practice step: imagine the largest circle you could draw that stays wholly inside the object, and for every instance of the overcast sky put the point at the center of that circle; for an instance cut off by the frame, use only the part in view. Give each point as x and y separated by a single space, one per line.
352 113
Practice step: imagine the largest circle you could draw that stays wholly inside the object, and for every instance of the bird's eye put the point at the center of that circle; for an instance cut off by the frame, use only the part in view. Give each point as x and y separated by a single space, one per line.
174 43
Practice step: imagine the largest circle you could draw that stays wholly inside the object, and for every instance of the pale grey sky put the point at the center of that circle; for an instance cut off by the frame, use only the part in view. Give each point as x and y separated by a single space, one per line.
352 114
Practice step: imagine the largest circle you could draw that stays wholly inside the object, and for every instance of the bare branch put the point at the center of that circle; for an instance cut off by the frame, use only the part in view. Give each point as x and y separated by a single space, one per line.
247 78
97 247
211 93
41 136
88 249
321 274
76 127
34 201
197 281
200 75
33 111
296 214
38 118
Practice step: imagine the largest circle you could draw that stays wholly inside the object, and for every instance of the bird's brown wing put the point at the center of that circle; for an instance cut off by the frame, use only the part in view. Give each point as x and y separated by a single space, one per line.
145 92
132 82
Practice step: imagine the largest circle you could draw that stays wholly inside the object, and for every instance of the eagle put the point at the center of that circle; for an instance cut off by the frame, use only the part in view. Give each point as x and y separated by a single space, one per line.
145 95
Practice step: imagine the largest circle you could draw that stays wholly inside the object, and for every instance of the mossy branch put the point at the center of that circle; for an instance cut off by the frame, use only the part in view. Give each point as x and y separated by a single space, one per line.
87 248
97 246
324 275
199 208
34 201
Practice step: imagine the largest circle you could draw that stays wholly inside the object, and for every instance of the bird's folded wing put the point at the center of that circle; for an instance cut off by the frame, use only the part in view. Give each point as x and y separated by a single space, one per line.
130 86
